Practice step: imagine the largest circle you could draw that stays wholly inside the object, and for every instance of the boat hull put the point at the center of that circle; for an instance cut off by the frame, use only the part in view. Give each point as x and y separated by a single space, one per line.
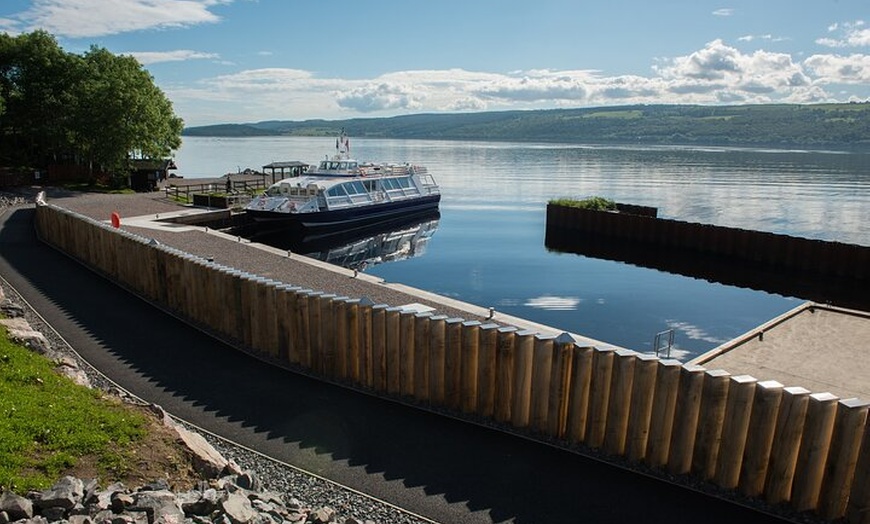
345 219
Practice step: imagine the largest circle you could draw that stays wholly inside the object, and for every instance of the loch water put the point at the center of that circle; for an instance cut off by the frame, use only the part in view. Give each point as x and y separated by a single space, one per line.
487 245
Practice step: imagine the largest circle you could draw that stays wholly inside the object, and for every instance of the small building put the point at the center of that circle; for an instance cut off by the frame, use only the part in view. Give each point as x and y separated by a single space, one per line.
146 174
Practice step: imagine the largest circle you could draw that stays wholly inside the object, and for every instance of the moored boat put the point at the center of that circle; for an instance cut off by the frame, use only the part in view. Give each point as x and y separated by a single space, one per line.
343 193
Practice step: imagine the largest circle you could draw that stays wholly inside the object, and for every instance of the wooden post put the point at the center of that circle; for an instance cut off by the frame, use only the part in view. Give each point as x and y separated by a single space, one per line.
813 453
664 407
238 320
285 305
270 313
714 399
487 369
858 508
407 353
560 385
339 315
504 380
759 442
619 406
394 350
786 443
642 394
299 320
421 355
522 386
738 410
366 342
326 336
686 419
599 398
452 363
843 458
437 350
354 338
581 383
379 347
468 365
542 367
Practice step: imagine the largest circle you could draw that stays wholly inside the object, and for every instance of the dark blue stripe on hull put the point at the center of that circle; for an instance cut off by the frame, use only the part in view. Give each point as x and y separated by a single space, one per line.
347 218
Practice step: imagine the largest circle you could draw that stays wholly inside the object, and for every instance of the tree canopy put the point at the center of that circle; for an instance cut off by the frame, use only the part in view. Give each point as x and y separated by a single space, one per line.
97 110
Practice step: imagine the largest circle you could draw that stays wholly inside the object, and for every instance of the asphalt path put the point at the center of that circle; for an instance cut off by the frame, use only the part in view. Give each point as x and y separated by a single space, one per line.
447 470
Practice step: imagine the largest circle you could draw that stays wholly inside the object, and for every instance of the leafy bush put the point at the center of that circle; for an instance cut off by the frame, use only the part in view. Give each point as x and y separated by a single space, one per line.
592 203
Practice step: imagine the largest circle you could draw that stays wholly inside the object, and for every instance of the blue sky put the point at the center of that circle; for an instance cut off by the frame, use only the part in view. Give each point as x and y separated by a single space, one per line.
250 60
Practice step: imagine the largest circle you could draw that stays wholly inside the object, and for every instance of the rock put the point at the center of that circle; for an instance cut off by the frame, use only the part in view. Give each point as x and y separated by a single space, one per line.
11 309
248 480
238 509
322 515
66 493
207 461
160 506
198 503
121 501
20 332
15 507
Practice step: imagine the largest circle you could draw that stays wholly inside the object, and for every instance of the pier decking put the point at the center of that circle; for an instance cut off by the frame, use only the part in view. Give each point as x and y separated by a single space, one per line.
819 347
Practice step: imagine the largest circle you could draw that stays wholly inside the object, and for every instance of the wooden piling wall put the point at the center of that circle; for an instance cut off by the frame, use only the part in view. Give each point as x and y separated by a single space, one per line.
782 445
818 270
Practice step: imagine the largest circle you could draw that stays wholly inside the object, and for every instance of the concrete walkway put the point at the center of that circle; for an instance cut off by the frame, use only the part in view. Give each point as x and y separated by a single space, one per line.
818 347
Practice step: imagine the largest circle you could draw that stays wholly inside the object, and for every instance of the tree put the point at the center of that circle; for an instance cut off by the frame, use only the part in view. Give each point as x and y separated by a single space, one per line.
37 83
122 114
96 110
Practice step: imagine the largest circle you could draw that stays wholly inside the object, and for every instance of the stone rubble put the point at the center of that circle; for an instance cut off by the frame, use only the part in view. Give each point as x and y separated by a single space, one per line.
224 500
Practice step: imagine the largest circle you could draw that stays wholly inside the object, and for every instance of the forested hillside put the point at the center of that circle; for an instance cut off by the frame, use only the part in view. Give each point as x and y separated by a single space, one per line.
780 125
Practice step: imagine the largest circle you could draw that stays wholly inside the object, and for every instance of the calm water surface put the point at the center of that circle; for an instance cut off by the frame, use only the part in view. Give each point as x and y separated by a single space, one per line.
488 248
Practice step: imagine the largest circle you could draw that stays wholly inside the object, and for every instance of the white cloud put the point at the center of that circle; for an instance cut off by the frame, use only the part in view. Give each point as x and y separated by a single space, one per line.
837 69
380 97
90 18
154 57
727 11
853 34
721 70
767 38
716 74
553 303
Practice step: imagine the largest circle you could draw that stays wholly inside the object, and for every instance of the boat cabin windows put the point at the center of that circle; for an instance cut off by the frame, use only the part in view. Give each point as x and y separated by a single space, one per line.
397 184
338 165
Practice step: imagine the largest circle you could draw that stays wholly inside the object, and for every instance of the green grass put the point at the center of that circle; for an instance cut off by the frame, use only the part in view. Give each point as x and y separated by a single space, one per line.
95 187
47 422
591 203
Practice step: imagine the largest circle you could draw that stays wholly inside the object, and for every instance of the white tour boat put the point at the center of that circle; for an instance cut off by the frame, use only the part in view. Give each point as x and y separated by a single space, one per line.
342 193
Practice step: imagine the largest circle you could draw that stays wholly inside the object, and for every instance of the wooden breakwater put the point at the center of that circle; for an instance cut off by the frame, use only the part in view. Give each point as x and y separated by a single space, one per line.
784 445
823 271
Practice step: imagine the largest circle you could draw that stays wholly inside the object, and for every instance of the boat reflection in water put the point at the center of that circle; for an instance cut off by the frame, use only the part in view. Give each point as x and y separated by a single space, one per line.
390 241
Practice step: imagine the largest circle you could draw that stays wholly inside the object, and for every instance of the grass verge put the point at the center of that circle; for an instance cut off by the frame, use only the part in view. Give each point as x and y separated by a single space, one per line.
50 427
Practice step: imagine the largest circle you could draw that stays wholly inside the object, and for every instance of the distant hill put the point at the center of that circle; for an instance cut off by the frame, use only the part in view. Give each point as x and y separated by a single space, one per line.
774 125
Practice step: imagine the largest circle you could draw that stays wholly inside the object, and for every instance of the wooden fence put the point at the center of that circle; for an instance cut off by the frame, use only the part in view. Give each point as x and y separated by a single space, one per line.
785 445
187 191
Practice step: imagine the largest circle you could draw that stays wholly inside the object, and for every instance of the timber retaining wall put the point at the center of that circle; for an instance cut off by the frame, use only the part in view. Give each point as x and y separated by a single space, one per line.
785 445
749 247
